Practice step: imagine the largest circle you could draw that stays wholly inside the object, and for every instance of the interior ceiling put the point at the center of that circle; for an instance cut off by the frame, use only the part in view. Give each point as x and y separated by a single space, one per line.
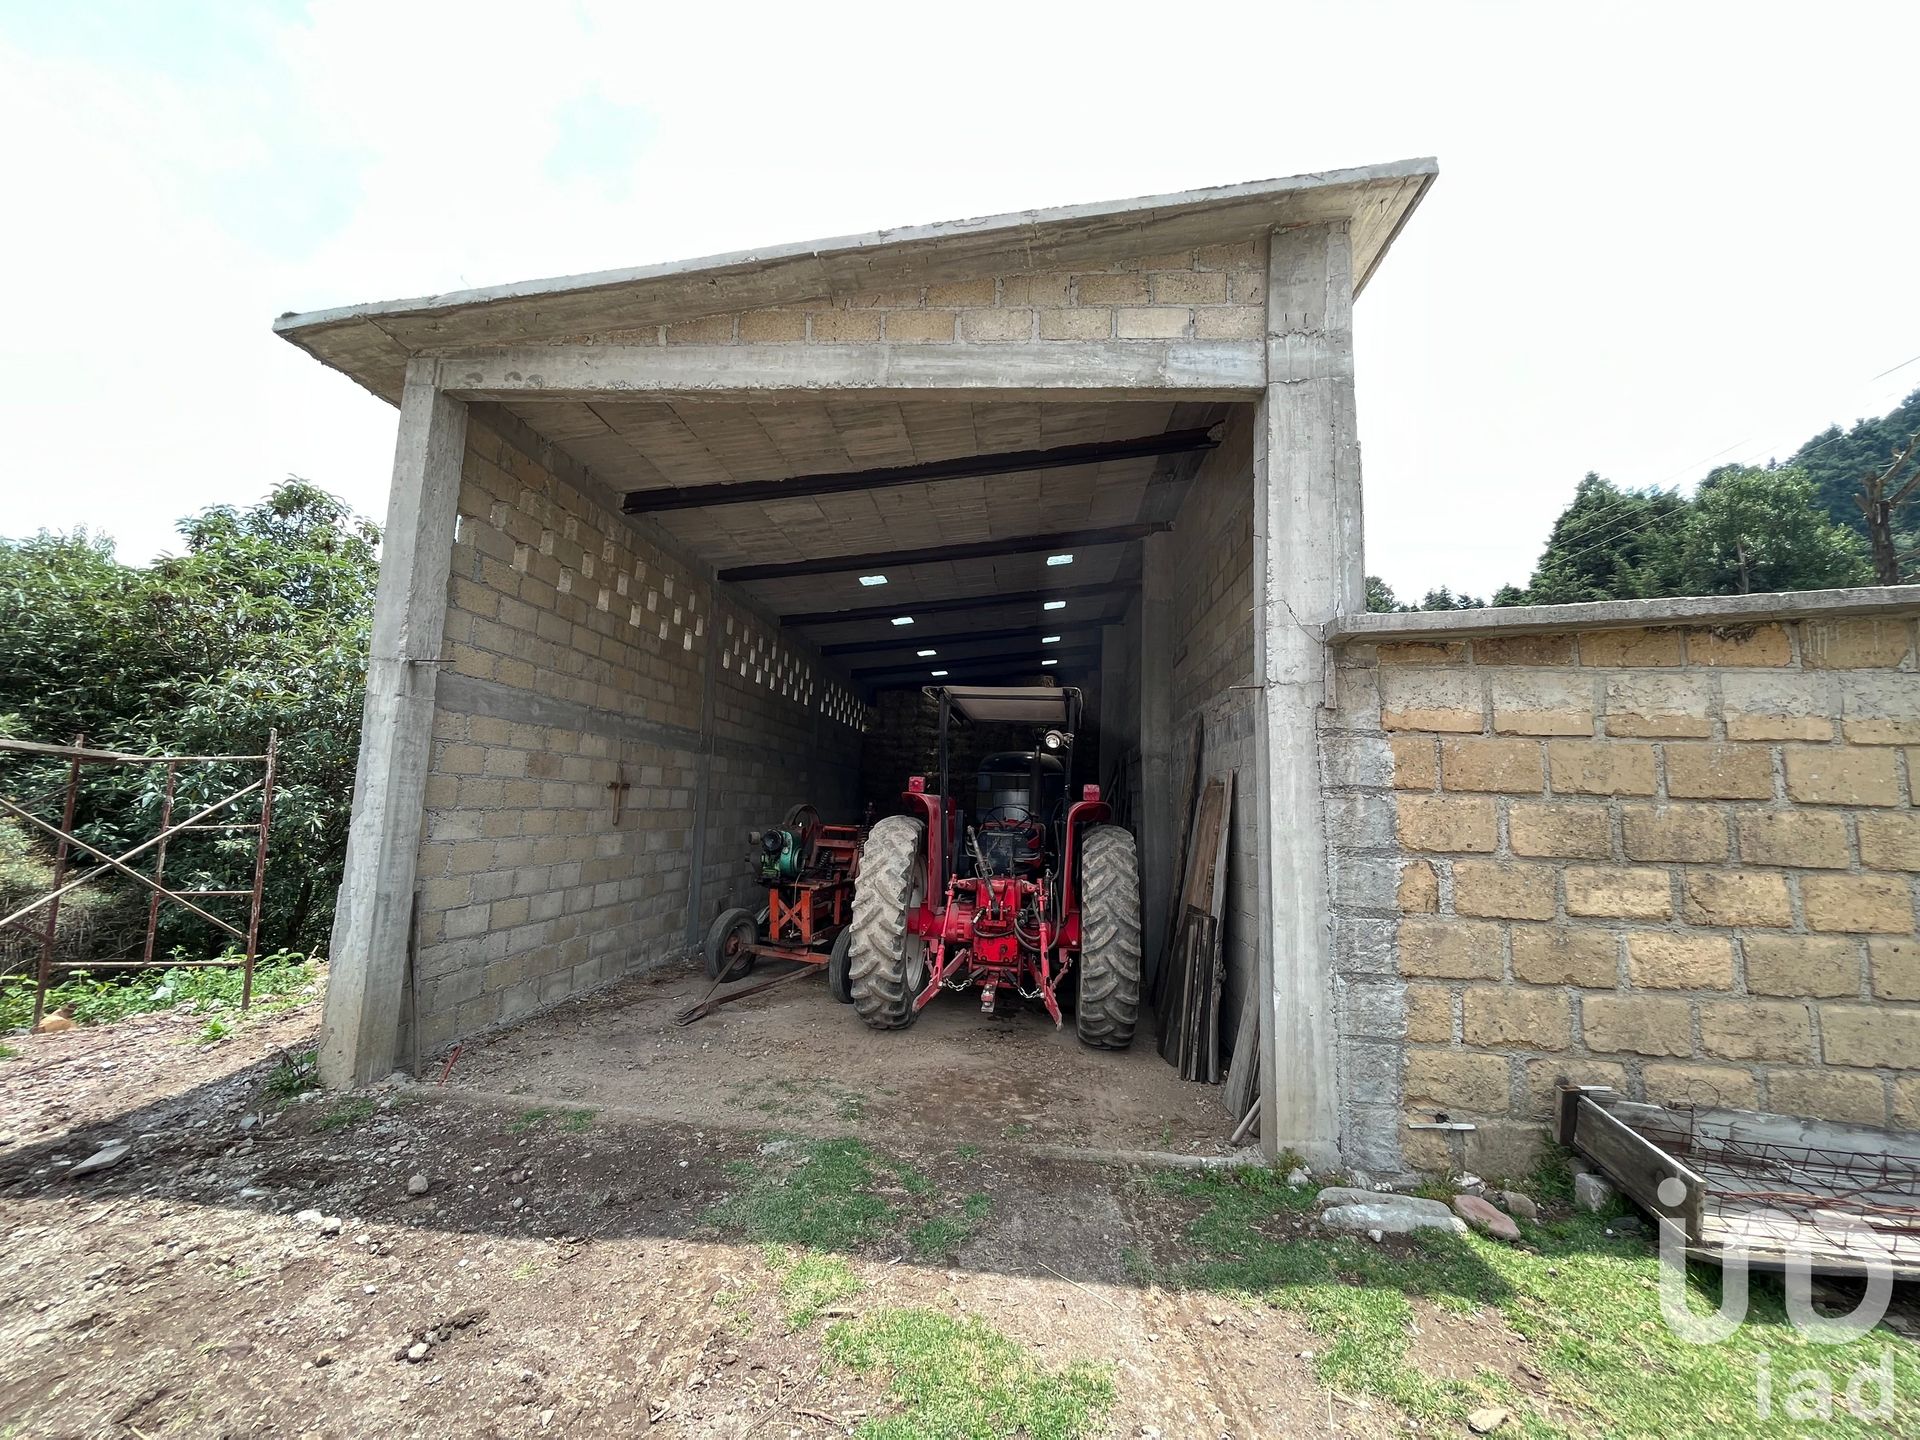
655 445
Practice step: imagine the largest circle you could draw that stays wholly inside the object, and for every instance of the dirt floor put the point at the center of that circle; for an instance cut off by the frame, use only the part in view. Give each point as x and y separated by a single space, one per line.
563 1269
694 1232
791 1058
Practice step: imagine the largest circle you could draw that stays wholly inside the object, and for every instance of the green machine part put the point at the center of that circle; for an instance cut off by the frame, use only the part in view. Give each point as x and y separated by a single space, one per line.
780 854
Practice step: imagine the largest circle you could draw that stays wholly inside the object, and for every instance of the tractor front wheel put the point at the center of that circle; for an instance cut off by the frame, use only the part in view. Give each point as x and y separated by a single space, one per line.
886 966
729 946
838 981
1109 938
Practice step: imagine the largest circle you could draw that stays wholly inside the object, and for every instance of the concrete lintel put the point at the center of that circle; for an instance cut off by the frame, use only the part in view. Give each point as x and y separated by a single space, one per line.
1626 614
372 925
1091 370
1307 569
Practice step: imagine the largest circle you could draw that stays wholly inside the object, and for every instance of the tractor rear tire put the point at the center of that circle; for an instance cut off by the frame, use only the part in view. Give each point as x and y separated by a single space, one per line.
728 957
838 981
887 967
1109 1000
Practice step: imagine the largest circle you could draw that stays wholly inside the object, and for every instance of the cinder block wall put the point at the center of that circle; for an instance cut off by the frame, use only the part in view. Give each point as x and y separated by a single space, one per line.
574 658
1212 607
1677 861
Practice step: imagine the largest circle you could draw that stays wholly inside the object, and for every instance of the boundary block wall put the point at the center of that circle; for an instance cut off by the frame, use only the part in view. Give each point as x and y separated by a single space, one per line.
1677 860
578 653
1212 625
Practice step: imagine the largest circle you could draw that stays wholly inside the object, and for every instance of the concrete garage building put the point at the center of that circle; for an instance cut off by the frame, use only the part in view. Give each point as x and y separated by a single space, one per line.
629 612
572 600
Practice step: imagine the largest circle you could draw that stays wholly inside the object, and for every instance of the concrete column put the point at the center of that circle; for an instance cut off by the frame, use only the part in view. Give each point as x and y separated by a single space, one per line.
1308 567
368 954
703 780
1159 828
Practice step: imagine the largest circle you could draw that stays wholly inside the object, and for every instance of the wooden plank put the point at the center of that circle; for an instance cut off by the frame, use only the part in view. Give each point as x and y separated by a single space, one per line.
1637 1165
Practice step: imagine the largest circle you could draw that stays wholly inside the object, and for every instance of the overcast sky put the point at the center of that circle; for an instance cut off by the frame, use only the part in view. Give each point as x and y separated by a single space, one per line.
1662 238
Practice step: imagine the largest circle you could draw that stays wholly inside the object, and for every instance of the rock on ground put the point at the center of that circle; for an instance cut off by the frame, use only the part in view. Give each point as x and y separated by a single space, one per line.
1393 1218
1482 1216
1592 1192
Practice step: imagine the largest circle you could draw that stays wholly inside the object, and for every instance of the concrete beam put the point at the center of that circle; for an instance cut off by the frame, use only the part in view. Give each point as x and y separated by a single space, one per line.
1160 828
359 1030
1308 568
1081 370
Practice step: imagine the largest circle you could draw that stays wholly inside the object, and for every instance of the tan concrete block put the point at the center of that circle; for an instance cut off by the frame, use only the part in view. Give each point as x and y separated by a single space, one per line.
1855 644
772 327
1801 965
1512 767
1662 960
1841 775
1247 287
1505 1017
1879 707
1799 839
1430 1152
1906 1103
1422 652
1637 1024
1418 699
707 330
1524 650
1645 704
1544 955
1419 891
1870 1036
1695 833
1562 829
1778 705
1545 1077
1712 1085
1735 898
1110 289
1457 1081
1042 291
1450 949
1416 764
900 297
986 326
1890 842
1158 322
1600 767
1719 772
1229 322
962 293
1756 1030
1848 1099
1615 890
1532 702
1858 904
1091 322
918 327
1447 823
1896 968
1619 648
1725 645
1188 287
844 327
1429 1015
1229 257
1503 890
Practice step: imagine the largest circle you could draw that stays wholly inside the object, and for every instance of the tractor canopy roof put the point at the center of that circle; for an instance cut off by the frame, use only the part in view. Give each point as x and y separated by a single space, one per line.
1016 704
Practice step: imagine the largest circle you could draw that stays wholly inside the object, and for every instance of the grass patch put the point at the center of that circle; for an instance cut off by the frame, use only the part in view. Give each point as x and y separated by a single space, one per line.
966 1152
7 1052
1588 1303
347 1112
810 1282
294 1075
280 980
574 1121
958 1378
945 1234
823 1202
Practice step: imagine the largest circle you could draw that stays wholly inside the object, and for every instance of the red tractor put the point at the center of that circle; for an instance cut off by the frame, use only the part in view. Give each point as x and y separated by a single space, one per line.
1021 893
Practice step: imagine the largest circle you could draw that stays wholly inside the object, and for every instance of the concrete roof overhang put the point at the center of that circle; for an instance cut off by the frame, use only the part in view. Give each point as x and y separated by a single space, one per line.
772 541
371 343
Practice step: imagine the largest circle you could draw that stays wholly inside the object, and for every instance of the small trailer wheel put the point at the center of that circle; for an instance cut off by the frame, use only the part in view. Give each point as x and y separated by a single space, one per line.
839 981
729 947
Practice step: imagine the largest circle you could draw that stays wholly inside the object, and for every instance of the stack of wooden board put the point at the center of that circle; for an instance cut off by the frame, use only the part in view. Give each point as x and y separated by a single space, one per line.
1187 995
